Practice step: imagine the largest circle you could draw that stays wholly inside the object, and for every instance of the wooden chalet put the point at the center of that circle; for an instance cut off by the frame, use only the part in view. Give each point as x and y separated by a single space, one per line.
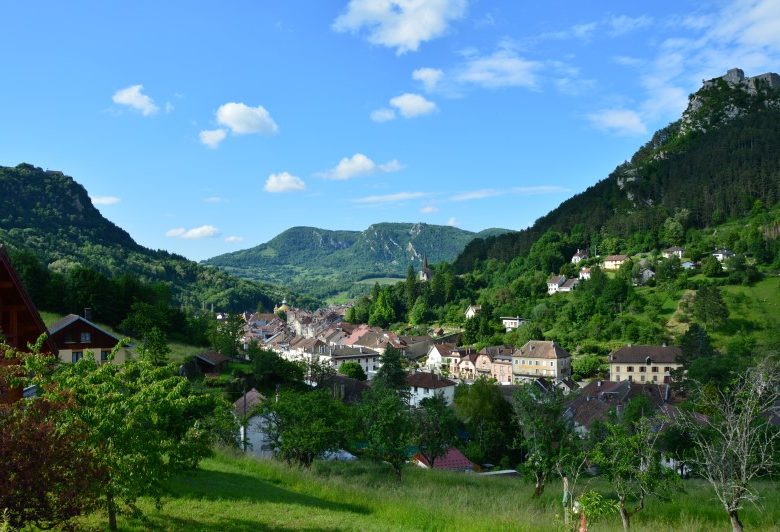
20 322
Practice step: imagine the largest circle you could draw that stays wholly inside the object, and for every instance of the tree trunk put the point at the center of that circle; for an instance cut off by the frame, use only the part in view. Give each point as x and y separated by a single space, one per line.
111 508
624 515
736 524
397 470
539 486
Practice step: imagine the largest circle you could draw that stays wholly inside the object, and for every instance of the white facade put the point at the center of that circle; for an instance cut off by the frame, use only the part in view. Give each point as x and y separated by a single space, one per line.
418 393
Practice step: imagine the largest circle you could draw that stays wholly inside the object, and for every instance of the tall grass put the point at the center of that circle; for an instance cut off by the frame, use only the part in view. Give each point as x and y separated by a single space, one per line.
235 493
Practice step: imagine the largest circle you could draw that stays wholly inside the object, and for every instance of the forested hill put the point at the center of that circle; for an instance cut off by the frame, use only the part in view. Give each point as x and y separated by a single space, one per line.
329 261
51 215
721 157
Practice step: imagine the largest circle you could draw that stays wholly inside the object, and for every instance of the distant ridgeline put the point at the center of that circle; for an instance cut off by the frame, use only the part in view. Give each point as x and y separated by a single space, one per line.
323 262
716 162
49 214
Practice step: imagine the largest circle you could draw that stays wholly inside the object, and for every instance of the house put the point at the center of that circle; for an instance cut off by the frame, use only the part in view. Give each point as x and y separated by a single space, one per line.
501 367
614 262
253 437
20 323
644 363
579 256
722 254
584 274
645 274
337 355
75 336
425 272
554 283
453 460
484 364
595 401
688 265
512 322
422 385
440 356
569 285
674 251
472 311
211 362
539 358
466 367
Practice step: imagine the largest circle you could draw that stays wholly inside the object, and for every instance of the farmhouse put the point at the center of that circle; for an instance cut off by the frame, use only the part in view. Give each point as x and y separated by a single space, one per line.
76 337
674 251
422 385
579 256
614 262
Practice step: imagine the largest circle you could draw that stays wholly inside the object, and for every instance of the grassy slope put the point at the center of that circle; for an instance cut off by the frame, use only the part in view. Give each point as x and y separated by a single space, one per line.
179 351
232 493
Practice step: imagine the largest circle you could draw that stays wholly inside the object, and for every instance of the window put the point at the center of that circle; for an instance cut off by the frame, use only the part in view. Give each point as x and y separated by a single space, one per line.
76 356
667 369
104 356
86 337
68 339
630 369
642 369
655 369
617 369
655 378
642 378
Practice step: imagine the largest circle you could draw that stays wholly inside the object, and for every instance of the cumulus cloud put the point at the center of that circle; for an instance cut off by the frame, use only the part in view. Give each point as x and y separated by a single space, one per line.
284 182
411 105
243 120
429 209
134 97
390 198
359 165
502 68
212 137
429 77
382 115
400 24
204 231
233 239
620 121
105 200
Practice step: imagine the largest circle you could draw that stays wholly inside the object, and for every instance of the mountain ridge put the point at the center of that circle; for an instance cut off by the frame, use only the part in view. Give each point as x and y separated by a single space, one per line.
302 254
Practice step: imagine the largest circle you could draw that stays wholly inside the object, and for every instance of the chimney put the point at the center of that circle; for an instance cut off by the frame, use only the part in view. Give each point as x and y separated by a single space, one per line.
88 314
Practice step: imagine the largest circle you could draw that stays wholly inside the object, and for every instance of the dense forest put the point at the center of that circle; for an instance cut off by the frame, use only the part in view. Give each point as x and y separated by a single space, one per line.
721 157
52 216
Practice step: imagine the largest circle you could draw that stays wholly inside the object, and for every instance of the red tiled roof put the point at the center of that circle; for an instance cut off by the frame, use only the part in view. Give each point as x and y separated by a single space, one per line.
454 460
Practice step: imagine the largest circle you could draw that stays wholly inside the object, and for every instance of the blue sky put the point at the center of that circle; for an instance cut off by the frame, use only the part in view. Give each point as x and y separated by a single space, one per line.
207 127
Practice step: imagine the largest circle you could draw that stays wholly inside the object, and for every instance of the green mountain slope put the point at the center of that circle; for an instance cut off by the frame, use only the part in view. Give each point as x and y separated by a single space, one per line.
716 161
320 261
48 213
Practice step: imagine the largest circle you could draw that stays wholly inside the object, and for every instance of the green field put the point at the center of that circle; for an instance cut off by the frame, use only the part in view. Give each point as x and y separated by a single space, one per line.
233 493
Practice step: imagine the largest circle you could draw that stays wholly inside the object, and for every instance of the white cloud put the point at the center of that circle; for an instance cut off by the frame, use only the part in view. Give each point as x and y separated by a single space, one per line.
134 97
204 231
243 120
382 115
359 165
390 198
233 239
212 137
105 200
411 105
627 60
620 121
429 209
452 222
400 24
429 77
503 68
214 199
284 182
622 24
477 194
169 108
